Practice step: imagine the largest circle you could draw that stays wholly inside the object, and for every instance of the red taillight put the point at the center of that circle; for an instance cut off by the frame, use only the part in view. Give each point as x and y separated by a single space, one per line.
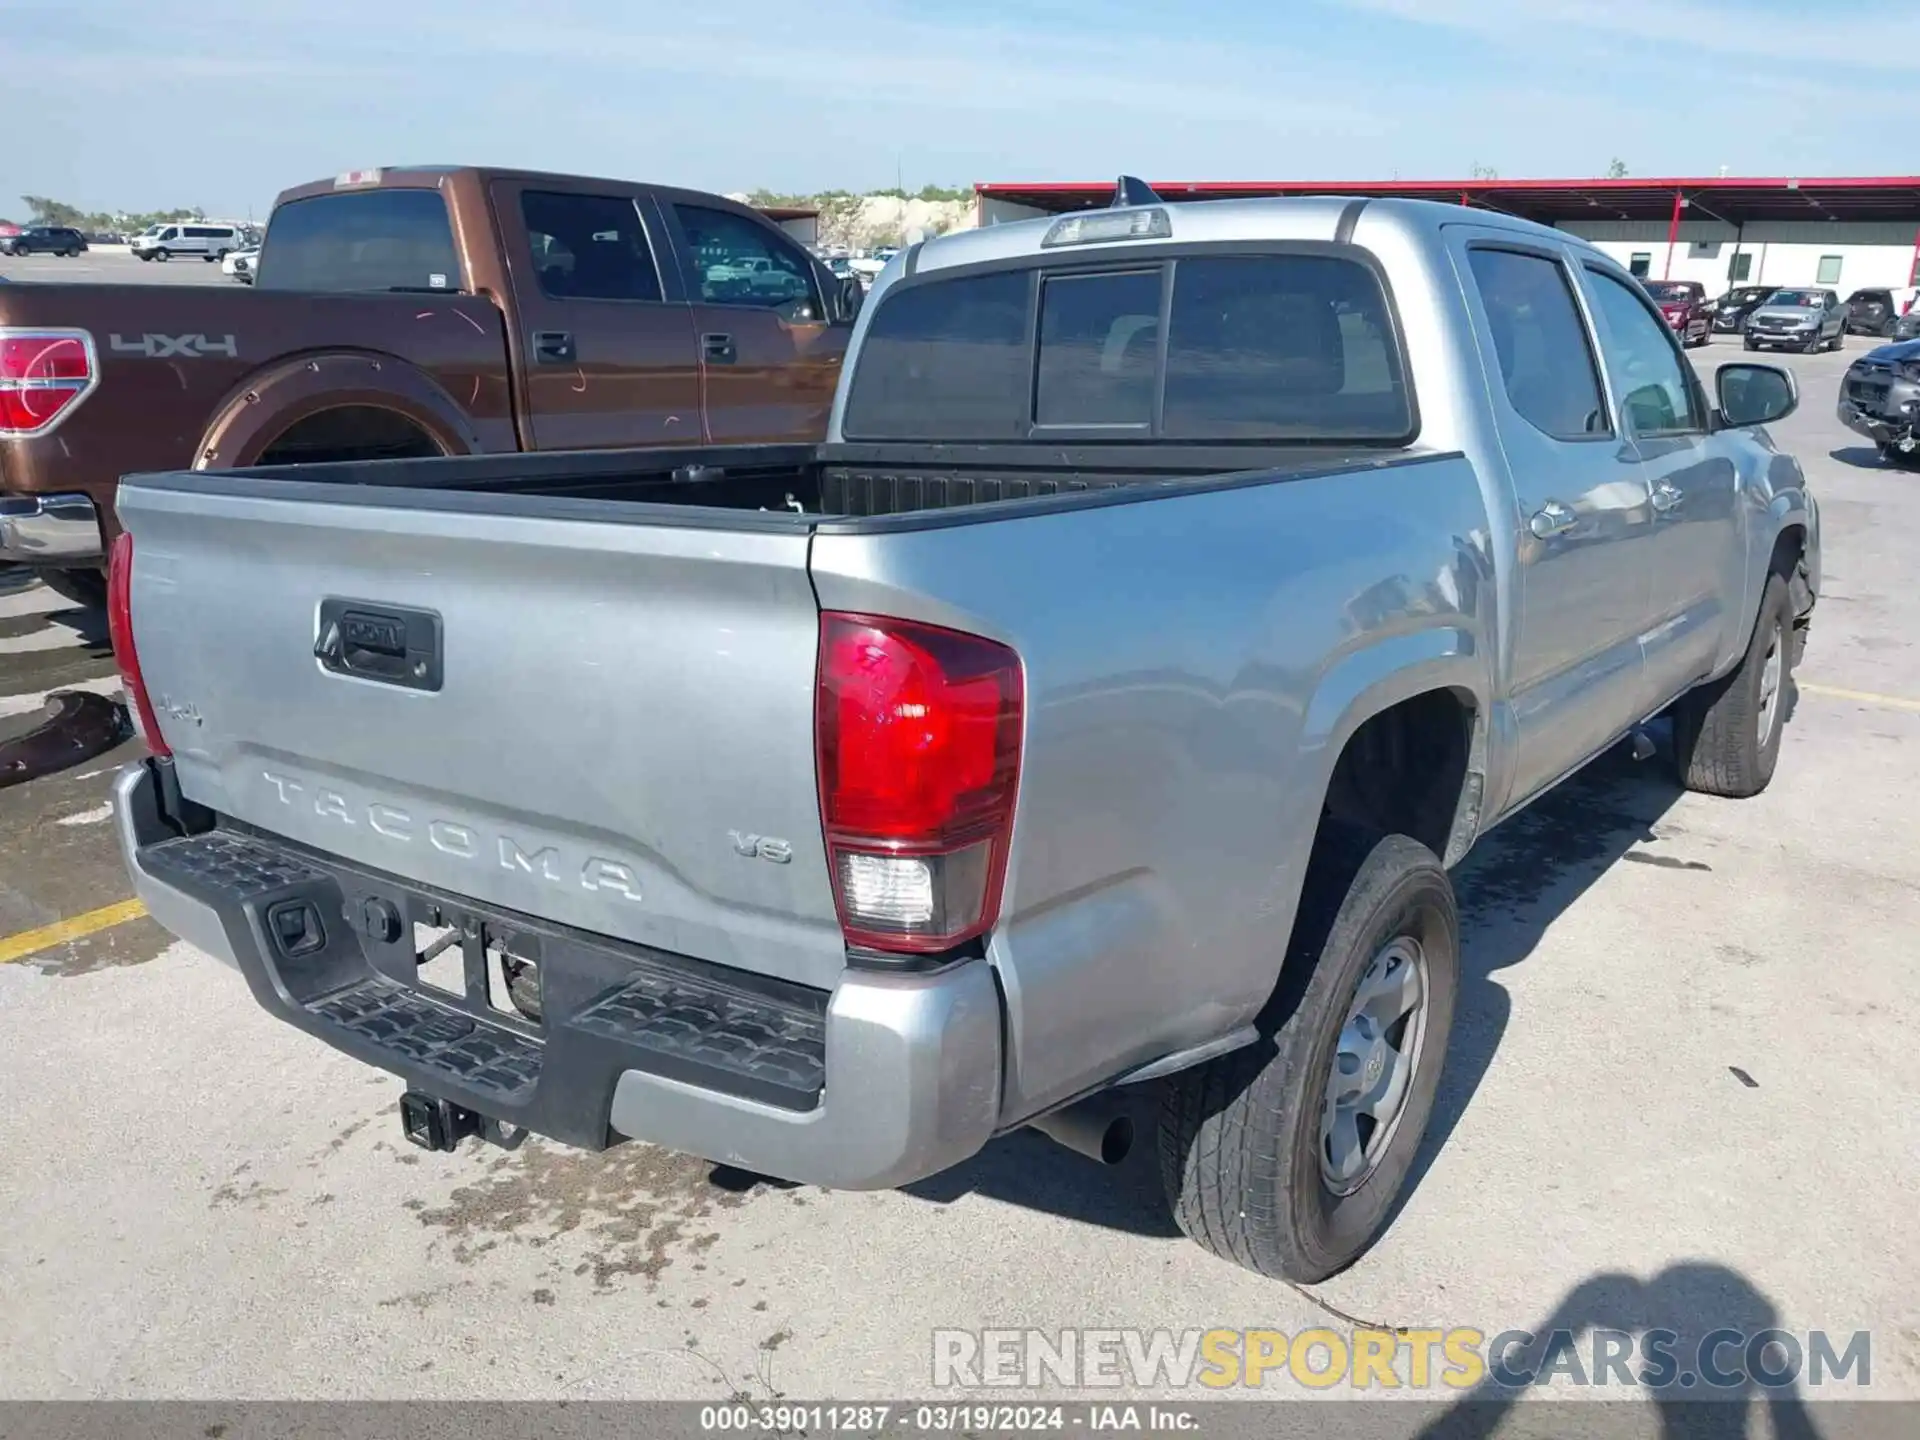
918 730
44 374
120 627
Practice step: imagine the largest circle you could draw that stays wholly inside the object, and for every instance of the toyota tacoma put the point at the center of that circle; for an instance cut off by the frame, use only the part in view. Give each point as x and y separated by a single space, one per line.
1180 592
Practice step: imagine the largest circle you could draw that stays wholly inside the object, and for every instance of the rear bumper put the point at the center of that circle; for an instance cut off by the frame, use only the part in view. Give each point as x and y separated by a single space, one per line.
49 529
887 1080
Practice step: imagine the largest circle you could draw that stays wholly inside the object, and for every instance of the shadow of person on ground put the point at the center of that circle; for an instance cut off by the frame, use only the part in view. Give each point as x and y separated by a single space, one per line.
1720 1363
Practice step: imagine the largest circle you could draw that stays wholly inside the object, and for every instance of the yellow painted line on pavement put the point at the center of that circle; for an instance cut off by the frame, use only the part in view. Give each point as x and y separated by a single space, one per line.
32 942
1865 697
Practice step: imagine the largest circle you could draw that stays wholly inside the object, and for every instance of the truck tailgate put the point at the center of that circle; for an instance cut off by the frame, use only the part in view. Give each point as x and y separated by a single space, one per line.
621 738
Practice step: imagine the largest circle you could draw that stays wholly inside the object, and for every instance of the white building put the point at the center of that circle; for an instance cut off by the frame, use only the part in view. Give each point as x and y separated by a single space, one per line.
1844 254
1850 232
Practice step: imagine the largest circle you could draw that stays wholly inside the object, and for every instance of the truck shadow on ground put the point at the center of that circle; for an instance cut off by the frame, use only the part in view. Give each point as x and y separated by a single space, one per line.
1520 879
1720 1362
1862 457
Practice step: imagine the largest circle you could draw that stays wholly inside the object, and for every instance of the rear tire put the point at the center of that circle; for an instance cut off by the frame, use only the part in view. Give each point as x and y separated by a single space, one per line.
86 588
1245 1148
1726 733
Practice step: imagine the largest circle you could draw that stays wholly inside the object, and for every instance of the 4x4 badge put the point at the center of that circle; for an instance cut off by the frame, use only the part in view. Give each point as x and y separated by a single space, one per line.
162 347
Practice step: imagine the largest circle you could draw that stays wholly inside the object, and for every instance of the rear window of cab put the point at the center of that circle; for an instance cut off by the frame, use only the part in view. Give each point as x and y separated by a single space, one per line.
361 240
1290 347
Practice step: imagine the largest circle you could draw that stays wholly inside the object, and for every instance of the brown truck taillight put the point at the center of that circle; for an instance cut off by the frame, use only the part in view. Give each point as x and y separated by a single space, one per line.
120 627
44 375
918 730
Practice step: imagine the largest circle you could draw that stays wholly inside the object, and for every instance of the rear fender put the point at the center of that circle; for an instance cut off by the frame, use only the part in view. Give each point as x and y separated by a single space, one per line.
291 389
1367 681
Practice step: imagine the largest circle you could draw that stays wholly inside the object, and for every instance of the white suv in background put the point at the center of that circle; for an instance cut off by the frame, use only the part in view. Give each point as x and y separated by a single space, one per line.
209 242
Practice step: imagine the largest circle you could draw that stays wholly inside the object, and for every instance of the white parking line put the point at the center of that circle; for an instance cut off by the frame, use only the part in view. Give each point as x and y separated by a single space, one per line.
47 637
36 599
25 704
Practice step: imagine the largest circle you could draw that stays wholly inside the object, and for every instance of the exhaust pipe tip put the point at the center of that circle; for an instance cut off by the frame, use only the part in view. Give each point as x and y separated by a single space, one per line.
1116 1141
1090 1129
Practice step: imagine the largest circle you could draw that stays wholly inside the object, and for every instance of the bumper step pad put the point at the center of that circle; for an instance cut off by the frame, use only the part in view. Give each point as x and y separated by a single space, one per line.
608 1006
467 1051
784 1050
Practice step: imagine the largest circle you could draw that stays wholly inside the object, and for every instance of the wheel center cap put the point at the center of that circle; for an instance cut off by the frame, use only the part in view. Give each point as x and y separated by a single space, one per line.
1376 1062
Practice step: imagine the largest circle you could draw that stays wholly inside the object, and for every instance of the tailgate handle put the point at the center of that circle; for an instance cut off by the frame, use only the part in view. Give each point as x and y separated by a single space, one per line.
384 644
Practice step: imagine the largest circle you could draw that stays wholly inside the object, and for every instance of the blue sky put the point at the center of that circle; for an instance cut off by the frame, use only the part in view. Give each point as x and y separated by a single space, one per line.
222 104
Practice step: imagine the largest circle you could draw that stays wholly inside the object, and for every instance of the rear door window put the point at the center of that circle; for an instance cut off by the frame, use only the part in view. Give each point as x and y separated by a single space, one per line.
589 247
1540 343
379 240
1295 347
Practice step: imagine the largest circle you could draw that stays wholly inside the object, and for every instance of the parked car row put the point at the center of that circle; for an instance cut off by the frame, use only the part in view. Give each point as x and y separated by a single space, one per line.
1875 311
1770 316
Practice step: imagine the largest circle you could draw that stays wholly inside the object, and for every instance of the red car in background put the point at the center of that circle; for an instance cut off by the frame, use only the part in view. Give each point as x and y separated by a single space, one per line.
1684 304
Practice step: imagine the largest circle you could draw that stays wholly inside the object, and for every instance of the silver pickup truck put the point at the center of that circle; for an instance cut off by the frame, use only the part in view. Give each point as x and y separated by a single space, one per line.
1182 589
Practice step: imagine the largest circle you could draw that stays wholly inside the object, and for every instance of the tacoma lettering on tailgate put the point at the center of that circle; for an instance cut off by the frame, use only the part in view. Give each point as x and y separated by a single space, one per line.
462 842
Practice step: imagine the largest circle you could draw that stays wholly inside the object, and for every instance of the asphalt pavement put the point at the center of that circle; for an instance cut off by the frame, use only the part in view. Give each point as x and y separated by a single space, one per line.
1680 1092
112 267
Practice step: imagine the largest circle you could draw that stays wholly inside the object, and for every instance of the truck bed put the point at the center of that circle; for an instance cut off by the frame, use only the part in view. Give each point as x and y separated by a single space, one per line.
828 483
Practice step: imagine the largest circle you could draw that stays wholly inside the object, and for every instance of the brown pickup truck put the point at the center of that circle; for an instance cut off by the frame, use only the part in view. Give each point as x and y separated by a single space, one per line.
411 312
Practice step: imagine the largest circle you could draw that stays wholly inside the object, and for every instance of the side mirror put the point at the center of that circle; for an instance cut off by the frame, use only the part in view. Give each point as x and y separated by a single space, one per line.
848 300
1755 394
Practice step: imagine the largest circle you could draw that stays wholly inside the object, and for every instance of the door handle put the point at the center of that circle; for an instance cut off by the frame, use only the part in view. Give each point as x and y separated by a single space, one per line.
553 347
1667 496
1552 519
719 349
